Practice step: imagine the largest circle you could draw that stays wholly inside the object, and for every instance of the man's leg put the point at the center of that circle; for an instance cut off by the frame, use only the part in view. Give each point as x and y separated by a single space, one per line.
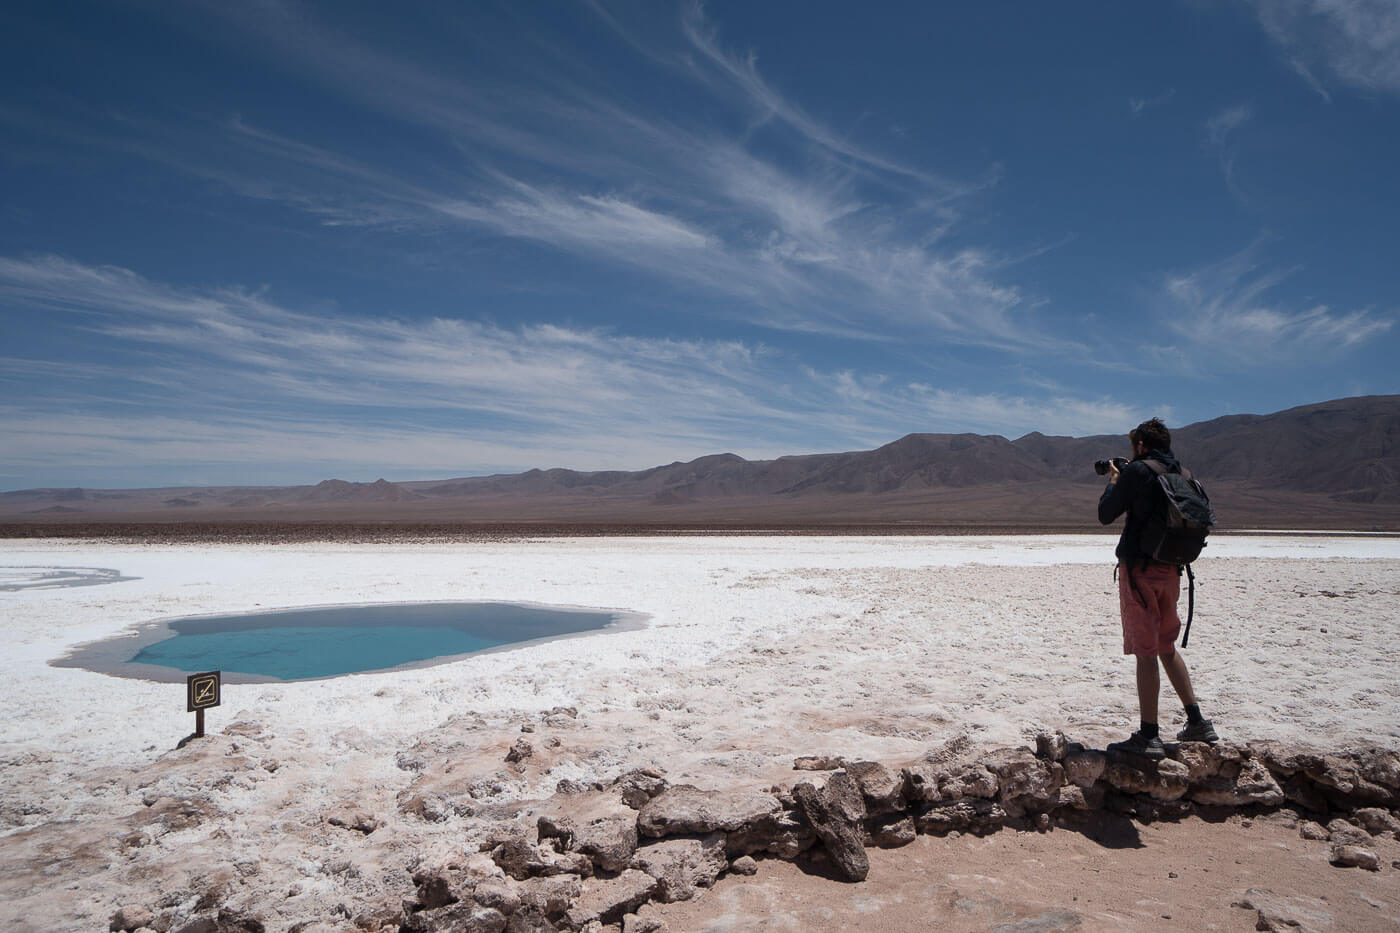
1149 684
1198 728
1145 742
1175 666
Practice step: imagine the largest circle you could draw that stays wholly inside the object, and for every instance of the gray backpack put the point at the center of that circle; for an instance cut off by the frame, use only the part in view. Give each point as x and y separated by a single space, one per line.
1175 531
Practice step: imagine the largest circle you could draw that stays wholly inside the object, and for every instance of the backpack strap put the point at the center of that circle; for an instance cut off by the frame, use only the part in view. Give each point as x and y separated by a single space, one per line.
1158 467
1190 604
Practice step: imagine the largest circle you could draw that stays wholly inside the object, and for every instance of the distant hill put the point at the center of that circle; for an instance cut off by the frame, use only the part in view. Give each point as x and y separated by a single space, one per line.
1330 465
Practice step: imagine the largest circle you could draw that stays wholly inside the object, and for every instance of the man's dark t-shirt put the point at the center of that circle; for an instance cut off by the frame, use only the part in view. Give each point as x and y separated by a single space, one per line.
1137 493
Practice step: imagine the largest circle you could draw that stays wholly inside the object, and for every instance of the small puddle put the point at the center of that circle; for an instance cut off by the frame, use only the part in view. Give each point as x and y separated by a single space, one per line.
331 641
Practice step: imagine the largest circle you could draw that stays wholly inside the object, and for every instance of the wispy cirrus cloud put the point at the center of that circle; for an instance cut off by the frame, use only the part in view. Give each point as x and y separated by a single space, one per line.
1219 130
444 394
1228 312
1137 106
769 104
1356 42
829 236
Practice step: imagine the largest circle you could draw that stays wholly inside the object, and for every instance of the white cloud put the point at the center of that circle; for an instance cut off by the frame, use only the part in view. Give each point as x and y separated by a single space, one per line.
831 237
607 223
237 378
1226 311
1355 41
1220 126
1219 129
768 103
1139 105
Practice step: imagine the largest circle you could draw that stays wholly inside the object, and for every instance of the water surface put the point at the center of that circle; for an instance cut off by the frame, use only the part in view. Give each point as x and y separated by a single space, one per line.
304 644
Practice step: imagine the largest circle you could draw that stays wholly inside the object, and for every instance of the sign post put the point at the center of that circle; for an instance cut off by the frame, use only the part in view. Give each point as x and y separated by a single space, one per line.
202 692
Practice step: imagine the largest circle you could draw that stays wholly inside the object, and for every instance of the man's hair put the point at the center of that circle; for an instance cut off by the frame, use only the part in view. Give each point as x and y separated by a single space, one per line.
1153 434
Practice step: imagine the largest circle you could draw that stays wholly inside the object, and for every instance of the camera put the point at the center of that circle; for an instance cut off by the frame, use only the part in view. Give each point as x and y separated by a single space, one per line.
1101 466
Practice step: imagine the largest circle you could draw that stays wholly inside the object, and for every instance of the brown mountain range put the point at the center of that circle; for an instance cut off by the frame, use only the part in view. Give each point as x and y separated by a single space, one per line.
1333 465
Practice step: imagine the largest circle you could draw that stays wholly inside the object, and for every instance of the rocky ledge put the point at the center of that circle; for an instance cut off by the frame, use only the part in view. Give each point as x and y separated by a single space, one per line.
590 856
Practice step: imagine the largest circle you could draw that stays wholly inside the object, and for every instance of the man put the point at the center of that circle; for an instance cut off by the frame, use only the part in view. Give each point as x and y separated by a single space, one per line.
1147 592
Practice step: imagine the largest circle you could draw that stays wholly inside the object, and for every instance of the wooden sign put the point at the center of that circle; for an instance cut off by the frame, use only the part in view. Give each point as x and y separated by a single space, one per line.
202 692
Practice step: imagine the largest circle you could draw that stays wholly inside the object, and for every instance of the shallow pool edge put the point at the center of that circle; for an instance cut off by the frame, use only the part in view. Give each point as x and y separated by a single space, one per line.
109 655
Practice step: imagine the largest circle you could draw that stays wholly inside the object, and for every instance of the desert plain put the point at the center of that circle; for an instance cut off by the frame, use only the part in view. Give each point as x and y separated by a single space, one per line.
758 651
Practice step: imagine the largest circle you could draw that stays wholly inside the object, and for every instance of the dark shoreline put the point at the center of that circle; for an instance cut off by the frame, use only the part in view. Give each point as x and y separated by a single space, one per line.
390 532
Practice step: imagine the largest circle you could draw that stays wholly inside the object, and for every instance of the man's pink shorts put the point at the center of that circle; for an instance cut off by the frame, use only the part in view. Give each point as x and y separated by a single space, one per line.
1148 608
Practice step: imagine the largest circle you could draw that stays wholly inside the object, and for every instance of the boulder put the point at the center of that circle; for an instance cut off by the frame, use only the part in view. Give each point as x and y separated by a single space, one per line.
1298 789
1164 780
638 787
1354 856
521 860
682 865
921 782
436 888
684 809
462 917
1052 746
549 896
1023 778
1204 761
1377 821
882 789
131 917
972 815
1336 777
558 827
744 865
1251 784
1074 797
1340 832
971 780
837 815
1083 767
225 921
1284 760
1380 766
609 841
1310 830
529 920
498 894
784 834
939 782
893 831
606 900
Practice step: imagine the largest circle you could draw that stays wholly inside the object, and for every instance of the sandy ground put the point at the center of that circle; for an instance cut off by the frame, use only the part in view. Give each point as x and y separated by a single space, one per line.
758 650
1185 876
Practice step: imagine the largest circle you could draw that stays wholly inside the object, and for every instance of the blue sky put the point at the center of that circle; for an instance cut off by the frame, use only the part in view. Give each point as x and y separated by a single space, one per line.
274 242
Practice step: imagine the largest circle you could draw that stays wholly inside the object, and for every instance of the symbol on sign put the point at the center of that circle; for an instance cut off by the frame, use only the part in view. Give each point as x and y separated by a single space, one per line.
203 690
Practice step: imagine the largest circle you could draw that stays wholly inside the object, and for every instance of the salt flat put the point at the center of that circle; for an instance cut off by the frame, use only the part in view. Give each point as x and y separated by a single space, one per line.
758 650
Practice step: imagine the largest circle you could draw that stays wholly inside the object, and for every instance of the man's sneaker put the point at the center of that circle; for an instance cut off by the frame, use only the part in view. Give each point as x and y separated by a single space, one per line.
1140 745
1199 731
